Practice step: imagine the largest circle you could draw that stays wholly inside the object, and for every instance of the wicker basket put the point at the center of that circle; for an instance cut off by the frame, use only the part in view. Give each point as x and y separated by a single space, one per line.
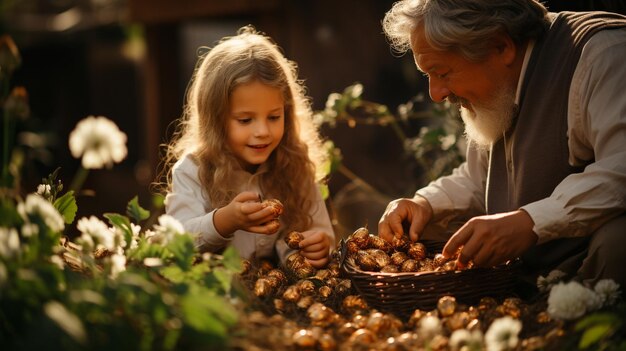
402 293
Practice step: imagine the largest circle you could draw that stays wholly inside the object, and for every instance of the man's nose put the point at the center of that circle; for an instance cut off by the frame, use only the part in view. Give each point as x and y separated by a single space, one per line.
437 89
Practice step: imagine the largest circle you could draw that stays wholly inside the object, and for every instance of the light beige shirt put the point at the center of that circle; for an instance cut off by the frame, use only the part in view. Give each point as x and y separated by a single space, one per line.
188 203
596 131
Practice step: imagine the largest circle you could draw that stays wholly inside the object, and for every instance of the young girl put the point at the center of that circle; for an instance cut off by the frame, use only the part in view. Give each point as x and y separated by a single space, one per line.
246 134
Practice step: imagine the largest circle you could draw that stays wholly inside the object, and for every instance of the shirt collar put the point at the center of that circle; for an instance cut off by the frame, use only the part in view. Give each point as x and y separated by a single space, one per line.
529 50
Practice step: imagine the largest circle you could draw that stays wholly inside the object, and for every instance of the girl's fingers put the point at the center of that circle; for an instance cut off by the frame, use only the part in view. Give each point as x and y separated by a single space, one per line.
314 248
318 263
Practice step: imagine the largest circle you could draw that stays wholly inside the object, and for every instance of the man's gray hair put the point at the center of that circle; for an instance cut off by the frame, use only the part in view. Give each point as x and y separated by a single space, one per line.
464 26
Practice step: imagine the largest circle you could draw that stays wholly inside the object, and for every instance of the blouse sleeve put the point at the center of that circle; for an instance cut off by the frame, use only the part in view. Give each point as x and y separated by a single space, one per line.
186 202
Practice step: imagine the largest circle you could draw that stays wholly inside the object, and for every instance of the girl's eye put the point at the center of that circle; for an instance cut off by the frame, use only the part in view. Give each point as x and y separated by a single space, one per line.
274 118
244 120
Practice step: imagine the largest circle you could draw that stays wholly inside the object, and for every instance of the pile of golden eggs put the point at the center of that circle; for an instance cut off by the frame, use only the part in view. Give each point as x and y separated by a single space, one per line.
372 253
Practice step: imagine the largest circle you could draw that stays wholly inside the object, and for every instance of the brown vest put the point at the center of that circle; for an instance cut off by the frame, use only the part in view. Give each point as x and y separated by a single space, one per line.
540 153
539 156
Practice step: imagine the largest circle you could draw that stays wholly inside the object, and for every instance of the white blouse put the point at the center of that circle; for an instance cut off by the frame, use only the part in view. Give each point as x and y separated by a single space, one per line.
188 203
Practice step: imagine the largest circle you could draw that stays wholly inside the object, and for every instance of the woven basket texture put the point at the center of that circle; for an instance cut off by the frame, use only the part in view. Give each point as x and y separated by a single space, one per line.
402 293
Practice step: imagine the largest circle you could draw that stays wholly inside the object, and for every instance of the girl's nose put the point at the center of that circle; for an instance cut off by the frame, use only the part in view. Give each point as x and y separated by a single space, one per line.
261 129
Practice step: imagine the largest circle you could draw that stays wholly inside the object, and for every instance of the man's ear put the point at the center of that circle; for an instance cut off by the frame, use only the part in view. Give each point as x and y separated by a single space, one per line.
505 48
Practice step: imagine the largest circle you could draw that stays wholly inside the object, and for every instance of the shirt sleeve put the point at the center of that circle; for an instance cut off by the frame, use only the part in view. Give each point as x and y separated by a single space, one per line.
320 222
460 194
584 201
186 203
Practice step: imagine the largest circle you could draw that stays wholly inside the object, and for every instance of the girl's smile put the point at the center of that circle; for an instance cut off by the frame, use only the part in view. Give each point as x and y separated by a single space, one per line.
256 123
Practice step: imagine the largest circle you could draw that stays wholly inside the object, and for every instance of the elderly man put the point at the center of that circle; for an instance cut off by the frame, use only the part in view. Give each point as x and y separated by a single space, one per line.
543 99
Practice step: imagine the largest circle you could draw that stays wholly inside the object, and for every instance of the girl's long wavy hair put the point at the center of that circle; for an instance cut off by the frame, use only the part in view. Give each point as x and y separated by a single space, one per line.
201 131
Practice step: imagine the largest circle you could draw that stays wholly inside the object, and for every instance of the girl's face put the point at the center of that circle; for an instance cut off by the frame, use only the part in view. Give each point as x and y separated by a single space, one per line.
255 123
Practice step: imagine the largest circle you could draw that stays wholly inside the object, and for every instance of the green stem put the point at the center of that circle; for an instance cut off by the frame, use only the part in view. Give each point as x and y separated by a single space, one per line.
399 132
6 137
357 180
79 179
5 149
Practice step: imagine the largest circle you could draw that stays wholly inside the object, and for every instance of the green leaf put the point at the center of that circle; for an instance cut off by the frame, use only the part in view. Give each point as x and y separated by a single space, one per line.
9 217
66 205
123 223
232 259
135 211
173 274
207 312
596 318
223 277
183 249
66 320
324 191
594 334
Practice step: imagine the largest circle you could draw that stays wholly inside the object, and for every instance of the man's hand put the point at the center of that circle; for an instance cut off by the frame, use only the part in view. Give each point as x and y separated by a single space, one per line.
493 239
416 211
315 248
245 212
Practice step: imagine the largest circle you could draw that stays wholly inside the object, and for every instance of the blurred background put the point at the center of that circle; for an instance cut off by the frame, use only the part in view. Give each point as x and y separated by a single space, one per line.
130 60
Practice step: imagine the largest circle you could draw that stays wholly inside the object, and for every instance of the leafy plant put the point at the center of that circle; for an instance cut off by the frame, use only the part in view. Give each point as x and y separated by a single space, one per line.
437 148
126 282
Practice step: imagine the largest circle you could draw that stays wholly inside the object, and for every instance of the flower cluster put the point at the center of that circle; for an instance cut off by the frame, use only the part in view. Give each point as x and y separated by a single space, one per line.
99 142
571 300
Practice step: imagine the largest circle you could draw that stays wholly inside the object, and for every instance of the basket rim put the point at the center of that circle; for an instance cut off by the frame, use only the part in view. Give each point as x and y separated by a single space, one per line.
349 266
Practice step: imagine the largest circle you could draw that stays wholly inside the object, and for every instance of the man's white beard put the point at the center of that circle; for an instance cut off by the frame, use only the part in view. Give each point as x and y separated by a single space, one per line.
487 124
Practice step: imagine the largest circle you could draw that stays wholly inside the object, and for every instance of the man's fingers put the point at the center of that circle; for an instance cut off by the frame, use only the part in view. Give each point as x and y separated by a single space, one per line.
415 230
384 231
457 240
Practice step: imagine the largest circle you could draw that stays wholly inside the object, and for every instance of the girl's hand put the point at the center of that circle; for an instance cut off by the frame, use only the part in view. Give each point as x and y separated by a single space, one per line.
245 212
315 247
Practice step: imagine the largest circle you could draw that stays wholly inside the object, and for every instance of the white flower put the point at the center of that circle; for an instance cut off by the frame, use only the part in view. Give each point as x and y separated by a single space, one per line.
58 261
167 228
356 91
447 141
463 339
29 229
608 290
545 283
98 231
43 190
120 238
118 265
152 262
429 326
330 104
37 206
570 300
98 141
503 334
9 242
